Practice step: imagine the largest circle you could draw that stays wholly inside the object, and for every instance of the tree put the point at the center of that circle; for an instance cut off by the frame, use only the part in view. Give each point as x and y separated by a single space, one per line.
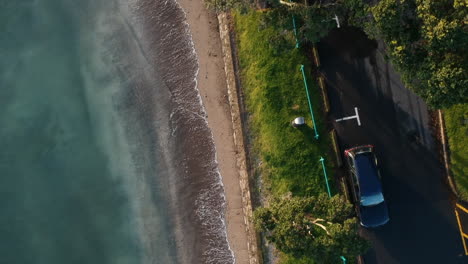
316 227
315 21
445 33
427 44
448 82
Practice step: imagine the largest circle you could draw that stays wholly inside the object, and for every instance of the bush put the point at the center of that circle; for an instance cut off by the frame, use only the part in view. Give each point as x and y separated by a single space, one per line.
427 44
318 228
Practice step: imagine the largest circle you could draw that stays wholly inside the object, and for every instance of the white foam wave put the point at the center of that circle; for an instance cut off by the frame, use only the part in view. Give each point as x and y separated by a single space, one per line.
205 215
188 113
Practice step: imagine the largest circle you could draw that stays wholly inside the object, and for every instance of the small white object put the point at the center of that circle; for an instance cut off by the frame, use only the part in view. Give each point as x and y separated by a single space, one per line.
298 121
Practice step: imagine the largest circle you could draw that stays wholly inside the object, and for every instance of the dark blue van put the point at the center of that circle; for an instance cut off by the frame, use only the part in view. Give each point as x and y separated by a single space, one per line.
366 186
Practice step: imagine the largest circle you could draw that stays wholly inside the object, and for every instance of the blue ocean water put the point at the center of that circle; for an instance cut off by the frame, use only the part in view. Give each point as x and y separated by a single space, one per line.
105 155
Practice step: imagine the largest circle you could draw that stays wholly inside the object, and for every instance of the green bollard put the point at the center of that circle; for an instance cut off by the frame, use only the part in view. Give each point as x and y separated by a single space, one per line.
294 29
326 177
310 103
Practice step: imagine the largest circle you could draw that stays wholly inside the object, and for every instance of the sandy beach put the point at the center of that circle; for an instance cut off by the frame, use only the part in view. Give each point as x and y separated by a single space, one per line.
213 90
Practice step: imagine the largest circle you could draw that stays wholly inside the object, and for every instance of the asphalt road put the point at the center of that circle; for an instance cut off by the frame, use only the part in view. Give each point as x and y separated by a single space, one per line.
422 227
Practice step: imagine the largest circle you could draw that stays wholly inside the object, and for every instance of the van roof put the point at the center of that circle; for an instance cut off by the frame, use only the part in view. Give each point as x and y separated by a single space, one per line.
366 171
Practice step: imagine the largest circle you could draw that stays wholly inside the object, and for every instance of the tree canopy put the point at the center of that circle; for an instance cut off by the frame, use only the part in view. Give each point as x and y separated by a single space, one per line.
427 43
320 228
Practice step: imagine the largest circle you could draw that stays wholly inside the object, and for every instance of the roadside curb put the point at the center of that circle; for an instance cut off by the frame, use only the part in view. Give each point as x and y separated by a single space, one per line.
345 190
445 152
241 158
323 88
336 148
316 56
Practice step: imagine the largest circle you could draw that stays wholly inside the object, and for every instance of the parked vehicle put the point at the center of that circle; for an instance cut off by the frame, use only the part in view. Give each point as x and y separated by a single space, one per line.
366 186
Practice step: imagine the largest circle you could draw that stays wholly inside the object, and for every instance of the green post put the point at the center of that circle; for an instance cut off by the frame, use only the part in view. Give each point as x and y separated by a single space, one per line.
310 103
294 29
329 193
326 177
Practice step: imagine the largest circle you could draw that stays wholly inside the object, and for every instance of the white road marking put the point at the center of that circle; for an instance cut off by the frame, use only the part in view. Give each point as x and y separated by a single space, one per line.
351 117
357 116
337 21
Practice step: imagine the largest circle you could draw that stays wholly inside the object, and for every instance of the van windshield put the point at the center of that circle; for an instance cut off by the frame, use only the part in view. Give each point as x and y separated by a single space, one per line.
372 199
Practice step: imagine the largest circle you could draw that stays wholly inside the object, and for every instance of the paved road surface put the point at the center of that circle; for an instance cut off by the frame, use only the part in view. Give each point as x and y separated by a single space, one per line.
423 227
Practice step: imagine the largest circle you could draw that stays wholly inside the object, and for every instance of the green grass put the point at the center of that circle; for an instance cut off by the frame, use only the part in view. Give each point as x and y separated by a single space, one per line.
458 143
274 90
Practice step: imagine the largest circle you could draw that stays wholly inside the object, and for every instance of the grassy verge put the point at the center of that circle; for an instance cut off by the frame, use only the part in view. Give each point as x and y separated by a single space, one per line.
456 121
275 95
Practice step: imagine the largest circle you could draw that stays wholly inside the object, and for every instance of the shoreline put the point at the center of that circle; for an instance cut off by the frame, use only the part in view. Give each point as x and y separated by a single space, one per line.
212 86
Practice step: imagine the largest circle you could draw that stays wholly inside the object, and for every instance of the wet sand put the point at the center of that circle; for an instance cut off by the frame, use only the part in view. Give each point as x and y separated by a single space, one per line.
213 90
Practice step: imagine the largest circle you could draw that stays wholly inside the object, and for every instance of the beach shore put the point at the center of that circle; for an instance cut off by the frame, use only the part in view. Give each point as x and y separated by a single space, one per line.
213 90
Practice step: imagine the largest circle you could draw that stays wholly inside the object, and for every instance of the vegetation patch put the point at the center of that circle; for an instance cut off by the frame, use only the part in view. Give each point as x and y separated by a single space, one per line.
274 91
426 41
456 122
292 224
